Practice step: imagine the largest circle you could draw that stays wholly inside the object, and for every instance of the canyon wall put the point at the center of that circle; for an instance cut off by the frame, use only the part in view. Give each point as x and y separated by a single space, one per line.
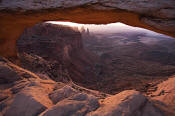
19 14
24 93
56 51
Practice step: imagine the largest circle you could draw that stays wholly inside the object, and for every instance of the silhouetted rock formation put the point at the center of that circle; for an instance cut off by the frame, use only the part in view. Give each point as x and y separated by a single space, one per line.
54 50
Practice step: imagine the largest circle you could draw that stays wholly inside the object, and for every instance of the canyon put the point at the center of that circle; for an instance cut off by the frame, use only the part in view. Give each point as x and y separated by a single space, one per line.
55 75
55 70
131 55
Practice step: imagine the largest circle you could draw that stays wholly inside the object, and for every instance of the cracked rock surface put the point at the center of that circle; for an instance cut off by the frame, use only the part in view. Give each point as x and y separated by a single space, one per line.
33 99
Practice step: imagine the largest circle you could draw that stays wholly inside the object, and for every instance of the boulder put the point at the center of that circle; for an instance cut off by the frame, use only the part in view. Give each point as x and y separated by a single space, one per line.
165 92
32 100
62 93
164 96
7 74
126 103
25 105
78 105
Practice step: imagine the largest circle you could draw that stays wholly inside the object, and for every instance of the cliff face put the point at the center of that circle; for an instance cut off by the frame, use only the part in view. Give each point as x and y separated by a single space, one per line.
49 40
19 14
50 49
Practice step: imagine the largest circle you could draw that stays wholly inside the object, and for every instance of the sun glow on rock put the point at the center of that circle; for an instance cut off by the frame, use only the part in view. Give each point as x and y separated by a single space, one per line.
65 23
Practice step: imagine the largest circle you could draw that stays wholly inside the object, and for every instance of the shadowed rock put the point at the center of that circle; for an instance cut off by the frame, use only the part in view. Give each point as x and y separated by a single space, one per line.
7 75
56 51
25 105
77 105
62 93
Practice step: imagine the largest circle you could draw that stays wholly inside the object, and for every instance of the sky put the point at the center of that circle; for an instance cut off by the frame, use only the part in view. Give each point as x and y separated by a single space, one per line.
108 28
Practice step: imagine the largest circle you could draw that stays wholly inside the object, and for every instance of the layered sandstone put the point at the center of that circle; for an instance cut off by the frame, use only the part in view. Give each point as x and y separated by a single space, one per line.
19 14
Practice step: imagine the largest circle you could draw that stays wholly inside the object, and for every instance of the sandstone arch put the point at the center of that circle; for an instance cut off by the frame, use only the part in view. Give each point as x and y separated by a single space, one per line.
15 16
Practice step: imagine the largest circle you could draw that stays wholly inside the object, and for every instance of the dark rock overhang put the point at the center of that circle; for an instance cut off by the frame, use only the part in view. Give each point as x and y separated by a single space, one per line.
158 16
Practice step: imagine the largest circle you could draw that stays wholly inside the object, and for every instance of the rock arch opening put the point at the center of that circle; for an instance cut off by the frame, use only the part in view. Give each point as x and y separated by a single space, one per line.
16 18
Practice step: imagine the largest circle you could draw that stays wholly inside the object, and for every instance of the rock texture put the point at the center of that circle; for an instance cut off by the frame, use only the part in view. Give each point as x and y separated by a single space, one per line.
62 93
150 14
36 96
11 77
78 105
161 9
126 103
164 96
29 95
23 96
35 5
56 51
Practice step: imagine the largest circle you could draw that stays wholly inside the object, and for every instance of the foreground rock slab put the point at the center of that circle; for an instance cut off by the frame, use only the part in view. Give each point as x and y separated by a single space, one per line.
164 96
31 95
62 93
77 105
126 103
